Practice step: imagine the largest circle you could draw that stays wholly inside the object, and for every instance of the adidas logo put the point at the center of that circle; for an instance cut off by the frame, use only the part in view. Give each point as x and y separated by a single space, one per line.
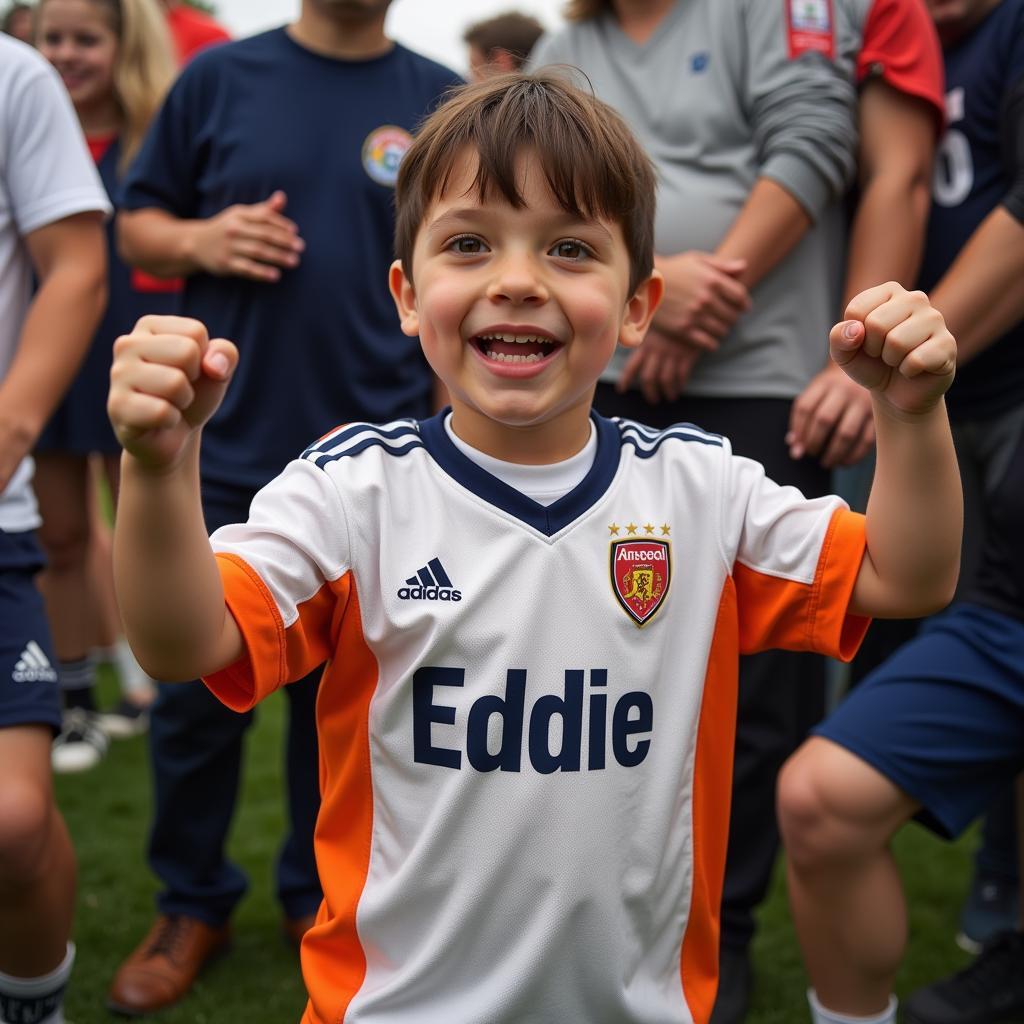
431 583
33 666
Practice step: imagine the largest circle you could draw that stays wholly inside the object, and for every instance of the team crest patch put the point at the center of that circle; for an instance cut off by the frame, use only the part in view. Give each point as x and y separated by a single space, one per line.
810 27
641 572
383 151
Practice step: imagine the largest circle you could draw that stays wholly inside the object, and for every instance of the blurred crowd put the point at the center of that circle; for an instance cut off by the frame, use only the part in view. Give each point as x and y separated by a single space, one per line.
167 169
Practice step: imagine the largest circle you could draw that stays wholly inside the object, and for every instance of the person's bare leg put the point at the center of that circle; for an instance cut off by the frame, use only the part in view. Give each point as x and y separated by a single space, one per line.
61 486
837 815
37 862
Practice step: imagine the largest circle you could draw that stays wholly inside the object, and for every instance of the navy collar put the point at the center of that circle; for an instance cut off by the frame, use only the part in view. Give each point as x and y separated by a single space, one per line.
546 519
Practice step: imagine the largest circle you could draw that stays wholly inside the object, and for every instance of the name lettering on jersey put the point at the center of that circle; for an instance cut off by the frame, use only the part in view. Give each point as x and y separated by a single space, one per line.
641 572
492 736
431 583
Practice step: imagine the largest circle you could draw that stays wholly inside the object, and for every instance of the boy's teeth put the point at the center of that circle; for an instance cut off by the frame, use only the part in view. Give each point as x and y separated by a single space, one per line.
501 357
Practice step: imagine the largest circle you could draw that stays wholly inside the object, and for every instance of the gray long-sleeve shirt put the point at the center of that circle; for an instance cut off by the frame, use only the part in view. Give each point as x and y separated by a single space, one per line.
718 101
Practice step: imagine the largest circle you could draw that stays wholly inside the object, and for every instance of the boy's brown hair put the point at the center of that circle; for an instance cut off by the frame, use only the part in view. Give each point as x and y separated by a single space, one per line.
592 162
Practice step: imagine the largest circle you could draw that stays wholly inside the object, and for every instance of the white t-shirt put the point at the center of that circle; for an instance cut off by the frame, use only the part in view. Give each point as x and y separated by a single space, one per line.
46 174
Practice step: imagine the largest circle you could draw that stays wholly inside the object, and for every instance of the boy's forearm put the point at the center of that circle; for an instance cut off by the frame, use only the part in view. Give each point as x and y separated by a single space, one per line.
158 242
168 584
914 516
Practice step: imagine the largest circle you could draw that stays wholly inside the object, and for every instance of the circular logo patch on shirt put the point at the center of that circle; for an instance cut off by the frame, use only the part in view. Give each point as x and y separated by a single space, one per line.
383 151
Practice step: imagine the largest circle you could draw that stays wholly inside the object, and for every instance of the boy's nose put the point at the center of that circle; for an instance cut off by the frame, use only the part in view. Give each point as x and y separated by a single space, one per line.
518 279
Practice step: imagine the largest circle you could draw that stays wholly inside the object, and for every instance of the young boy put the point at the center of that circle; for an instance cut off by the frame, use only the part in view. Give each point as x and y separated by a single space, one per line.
531 615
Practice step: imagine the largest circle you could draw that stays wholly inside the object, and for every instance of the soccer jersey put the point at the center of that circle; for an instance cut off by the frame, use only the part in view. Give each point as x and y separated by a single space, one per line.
526 721
974 173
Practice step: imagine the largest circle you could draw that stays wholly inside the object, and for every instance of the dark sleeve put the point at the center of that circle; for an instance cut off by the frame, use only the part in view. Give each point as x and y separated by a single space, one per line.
1012 127
166 171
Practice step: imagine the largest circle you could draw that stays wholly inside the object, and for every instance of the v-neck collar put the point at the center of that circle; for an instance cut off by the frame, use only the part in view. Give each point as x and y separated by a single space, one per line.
628 46
546 519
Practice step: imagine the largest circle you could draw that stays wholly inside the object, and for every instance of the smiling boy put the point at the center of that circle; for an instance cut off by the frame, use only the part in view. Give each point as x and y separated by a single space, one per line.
532 615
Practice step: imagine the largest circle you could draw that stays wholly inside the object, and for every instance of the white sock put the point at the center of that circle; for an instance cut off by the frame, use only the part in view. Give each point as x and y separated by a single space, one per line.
822 1016
37 999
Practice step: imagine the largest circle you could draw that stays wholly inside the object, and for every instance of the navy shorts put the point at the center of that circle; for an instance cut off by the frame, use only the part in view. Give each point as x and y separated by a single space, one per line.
28 673
943 718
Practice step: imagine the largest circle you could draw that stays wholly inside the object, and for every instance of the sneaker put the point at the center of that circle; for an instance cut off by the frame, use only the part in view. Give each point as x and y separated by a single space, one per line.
991 907
989 991
125 720
80 746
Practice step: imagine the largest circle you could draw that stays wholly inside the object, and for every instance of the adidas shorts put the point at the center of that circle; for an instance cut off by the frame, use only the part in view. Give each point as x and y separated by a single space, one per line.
28 673
943 718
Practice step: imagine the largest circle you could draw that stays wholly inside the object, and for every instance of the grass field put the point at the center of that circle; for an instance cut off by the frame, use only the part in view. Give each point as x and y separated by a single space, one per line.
108 812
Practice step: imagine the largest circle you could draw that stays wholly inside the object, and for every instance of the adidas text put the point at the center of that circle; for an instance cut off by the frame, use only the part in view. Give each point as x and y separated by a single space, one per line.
429 594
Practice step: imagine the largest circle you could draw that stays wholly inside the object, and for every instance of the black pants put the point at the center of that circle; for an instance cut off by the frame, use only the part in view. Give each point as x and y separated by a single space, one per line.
782 694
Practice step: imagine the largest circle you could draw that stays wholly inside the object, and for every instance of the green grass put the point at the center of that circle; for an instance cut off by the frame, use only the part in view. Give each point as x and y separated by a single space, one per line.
108 813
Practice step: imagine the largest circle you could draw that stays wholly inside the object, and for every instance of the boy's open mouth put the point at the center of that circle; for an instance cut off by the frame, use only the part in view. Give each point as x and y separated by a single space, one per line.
515 348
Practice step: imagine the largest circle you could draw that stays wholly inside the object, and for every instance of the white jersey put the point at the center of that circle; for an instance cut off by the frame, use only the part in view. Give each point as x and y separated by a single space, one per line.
46 174
526 721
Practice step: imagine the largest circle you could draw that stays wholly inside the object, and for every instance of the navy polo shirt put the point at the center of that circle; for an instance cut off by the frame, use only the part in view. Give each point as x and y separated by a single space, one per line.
322 345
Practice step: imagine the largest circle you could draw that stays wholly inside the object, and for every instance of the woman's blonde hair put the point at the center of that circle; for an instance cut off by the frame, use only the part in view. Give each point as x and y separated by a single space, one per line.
144 68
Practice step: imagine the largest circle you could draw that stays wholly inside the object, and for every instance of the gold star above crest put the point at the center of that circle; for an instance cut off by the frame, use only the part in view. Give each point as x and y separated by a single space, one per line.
631 528
665 529
648 527
614 529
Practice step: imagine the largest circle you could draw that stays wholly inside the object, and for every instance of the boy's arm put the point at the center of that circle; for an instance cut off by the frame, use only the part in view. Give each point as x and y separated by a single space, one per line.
896 344
166 381
70 260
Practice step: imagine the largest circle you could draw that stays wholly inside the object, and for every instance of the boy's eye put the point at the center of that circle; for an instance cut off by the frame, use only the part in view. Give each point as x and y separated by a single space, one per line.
467 245
570 249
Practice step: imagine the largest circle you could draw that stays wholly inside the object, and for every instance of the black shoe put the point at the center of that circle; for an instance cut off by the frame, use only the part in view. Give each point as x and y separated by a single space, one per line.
990 908
735 983
989 991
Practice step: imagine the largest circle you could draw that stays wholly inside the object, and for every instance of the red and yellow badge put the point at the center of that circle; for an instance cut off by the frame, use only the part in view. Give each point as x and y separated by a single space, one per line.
641 573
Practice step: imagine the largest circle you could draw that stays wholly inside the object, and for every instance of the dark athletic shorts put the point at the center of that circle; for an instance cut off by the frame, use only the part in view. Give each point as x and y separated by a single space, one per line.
28 674
943 718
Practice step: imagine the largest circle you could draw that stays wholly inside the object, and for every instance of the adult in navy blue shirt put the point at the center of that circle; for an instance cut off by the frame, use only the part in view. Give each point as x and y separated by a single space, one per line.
267 182
937 731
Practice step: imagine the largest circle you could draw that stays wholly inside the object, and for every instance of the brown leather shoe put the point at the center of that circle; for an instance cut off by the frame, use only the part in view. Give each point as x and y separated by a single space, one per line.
294 928
165 964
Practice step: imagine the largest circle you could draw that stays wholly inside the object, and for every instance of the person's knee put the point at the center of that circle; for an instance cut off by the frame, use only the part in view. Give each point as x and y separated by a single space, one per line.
834 807
810 823
26 823
66 541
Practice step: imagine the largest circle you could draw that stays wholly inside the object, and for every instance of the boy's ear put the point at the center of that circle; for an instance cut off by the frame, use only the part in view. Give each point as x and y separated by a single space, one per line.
640 309
404 295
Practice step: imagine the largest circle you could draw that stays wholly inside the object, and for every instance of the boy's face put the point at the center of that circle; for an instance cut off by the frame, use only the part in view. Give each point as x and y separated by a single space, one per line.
518 312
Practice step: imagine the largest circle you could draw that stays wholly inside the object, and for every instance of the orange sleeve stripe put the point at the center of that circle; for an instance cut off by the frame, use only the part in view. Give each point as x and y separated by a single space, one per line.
712 796
274 655
261 670
834 631
795 616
